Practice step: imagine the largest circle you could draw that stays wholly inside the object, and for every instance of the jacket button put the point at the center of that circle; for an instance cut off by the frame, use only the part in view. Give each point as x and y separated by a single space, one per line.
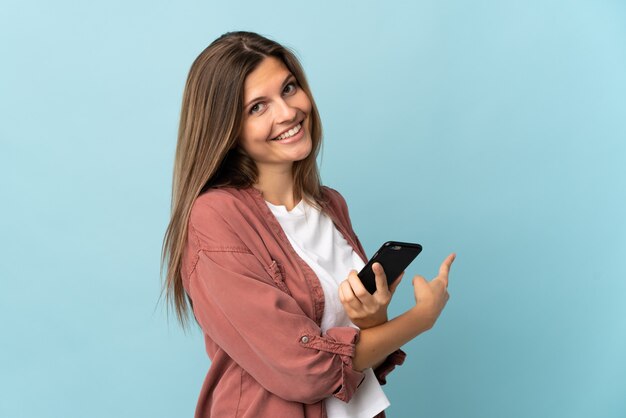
304 339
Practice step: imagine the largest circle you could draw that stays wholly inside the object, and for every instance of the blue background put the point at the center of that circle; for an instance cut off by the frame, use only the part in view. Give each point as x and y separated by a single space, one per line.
495 129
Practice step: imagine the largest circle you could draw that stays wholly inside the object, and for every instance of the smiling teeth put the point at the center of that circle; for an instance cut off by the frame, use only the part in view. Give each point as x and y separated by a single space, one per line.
289 133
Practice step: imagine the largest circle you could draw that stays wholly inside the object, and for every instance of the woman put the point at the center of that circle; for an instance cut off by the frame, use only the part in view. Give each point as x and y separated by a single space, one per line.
258 248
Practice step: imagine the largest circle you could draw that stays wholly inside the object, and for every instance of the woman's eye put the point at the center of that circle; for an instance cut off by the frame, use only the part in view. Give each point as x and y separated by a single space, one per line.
256 108
289 88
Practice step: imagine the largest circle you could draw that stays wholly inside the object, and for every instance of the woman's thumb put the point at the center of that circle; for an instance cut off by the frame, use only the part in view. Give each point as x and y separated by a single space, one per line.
419 282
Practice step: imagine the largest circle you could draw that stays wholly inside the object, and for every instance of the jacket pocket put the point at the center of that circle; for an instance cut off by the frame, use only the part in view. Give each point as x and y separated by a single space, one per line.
276 270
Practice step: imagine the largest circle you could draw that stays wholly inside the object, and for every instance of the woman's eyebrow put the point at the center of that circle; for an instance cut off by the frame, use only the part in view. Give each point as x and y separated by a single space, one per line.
289 76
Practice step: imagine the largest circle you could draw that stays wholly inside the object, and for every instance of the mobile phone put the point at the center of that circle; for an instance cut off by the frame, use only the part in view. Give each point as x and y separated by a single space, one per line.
395 257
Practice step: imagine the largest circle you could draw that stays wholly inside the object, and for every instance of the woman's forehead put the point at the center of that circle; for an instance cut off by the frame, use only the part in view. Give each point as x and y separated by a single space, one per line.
269 75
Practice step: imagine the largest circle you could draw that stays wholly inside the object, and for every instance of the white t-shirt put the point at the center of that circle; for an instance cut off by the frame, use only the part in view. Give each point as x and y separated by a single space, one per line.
317 241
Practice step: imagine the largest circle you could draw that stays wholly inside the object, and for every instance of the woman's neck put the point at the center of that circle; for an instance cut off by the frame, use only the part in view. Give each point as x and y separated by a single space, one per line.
277 187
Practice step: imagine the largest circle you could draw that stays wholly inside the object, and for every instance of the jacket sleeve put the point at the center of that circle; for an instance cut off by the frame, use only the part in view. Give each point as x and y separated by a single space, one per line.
394 359
262 328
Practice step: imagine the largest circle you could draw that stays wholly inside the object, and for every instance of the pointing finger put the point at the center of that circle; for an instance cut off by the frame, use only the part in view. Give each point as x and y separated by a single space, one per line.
444 270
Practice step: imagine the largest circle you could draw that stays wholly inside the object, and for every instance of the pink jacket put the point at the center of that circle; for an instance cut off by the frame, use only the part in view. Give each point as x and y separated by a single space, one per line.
260 307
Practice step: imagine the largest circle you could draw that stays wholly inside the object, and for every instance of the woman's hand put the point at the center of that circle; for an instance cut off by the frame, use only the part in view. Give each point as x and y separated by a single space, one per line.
431 297
367 310
375 344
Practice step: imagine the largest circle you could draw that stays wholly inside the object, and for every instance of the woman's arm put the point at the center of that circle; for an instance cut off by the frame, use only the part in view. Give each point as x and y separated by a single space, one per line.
265 331
243 305
379 340
376 343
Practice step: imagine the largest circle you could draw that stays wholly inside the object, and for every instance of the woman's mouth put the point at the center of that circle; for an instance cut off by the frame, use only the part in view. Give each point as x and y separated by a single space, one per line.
290 133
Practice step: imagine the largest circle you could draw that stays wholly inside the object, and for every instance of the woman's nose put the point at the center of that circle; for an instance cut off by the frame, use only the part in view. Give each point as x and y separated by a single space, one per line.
285 113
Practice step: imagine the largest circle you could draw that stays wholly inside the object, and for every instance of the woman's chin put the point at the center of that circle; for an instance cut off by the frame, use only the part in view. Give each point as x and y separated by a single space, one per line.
307 151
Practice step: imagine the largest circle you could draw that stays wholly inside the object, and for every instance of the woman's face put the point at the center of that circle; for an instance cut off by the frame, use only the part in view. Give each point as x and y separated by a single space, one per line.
276 124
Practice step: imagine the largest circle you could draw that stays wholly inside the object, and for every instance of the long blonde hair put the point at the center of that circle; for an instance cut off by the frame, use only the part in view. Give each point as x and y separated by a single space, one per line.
207 151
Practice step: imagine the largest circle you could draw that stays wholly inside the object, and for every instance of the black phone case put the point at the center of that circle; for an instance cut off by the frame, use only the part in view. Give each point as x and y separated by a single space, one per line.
395 257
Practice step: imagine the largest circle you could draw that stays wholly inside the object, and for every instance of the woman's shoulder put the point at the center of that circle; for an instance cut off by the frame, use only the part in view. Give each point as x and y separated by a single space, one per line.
221 211
221 200
334 199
